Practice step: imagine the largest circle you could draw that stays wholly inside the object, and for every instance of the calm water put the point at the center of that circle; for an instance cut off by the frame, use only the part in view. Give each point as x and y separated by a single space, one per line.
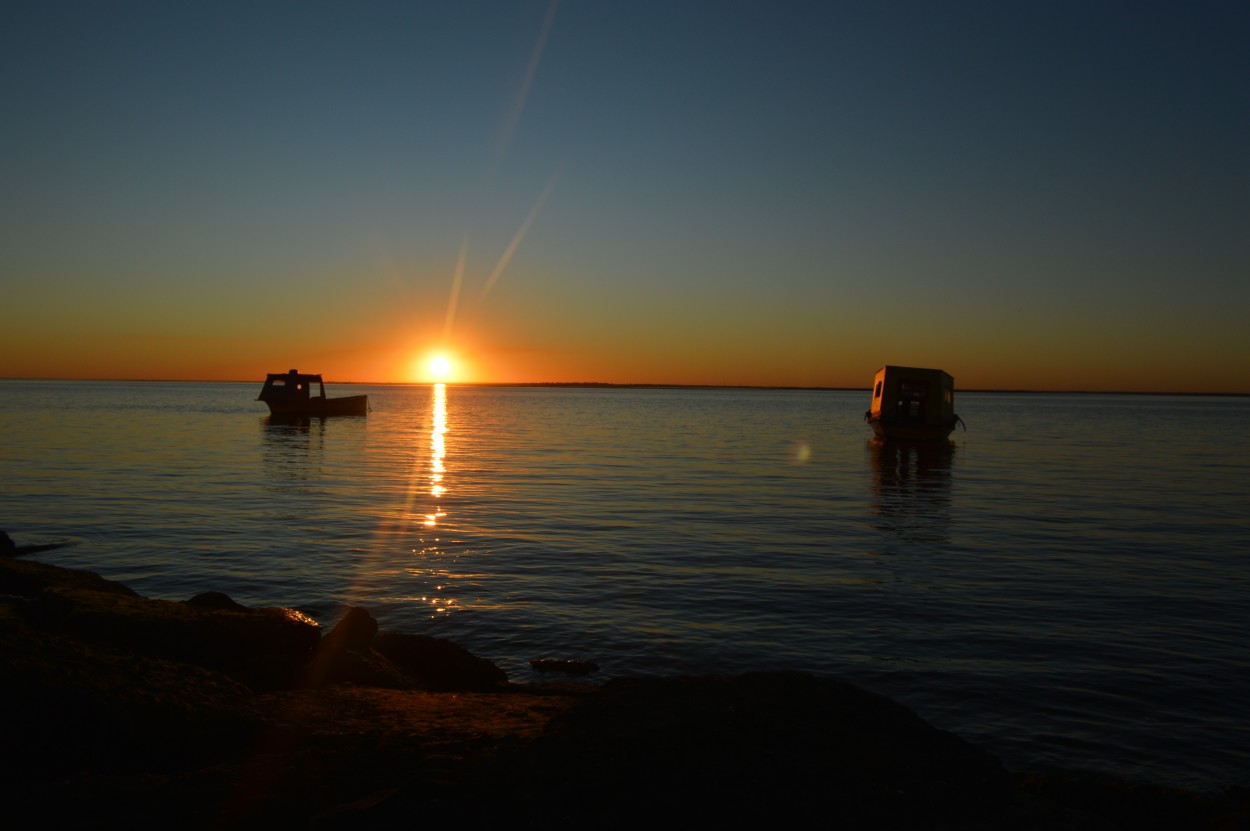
1064 584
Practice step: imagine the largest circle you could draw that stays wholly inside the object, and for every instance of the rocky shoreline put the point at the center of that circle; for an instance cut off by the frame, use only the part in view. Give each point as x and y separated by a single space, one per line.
206 714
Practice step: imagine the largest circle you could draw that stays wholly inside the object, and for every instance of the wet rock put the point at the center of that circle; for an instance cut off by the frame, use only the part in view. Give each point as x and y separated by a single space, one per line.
439 664
8 548
567 667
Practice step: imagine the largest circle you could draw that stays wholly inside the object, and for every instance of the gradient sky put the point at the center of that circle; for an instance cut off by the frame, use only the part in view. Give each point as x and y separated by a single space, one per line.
1044 195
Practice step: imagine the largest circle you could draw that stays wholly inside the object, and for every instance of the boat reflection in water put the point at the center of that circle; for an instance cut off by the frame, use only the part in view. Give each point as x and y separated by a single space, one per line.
911 493
292 447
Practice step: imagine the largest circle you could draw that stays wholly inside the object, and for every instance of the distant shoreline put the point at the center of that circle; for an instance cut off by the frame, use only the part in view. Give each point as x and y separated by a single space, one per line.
637 386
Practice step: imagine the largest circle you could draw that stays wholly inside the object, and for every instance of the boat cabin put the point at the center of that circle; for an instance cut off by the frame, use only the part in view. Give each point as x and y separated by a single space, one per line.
291 390
295 394
912 403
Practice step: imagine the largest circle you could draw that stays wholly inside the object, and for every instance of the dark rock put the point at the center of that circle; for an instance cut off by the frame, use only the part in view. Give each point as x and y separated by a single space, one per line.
353 652
78 707
25 578
346 656
1101 801
117 718
758 748
263 648
439 664
363 668
354 631
8 548
567 667
215 600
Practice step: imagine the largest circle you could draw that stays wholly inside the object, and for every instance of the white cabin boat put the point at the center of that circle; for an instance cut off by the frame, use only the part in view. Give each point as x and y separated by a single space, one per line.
912 404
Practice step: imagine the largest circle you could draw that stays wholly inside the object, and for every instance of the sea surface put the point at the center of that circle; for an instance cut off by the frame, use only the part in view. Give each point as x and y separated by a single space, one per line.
1063 583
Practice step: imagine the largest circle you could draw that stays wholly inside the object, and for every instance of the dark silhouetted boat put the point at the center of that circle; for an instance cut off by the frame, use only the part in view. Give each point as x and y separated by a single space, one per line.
912 404
290 395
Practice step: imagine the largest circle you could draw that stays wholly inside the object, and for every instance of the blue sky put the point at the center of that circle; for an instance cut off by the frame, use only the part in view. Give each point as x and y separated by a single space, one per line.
1045 195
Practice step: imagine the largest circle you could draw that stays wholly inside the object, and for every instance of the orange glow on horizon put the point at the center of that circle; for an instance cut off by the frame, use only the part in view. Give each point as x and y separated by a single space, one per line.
436 368
507 357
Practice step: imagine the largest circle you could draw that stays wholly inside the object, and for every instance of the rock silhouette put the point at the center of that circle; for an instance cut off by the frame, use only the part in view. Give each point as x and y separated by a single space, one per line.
206 714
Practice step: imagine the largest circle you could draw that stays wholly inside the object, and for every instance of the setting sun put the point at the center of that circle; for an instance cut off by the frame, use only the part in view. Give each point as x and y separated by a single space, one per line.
439 368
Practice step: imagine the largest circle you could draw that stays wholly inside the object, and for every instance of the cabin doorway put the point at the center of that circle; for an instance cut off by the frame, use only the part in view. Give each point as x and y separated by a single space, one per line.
912 401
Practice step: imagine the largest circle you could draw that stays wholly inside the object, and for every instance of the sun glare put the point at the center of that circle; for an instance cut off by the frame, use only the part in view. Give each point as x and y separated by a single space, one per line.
439 368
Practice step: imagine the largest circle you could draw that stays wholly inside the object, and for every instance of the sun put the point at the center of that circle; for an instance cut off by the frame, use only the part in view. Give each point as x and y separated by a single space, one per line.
439 368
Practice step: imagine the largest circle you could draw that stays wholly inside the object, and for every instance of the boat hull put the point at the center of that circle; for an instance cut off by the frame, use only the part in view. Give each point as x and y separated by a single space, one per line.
911 432
352 405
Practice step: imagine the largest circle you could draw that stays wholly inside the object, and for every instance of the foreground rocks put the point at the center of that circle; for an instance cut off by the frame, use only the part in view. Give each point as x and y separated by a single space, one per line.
757 748
205 714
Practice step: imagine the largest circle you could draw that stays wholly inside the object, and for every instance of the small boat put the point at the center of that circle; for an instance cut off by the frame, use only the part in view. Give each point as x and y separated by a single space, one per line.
290 395
912 404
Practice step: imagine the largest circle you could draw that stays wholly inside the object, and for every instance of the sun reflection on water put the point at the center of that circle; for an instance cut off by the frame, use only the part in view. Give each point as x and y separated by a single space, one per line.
418 524
438 451
437 442
441 603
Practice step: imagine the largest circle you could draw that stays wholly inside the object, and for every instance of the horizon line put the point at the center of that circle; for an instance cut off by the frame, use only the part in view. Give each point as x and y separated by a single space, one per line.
635 385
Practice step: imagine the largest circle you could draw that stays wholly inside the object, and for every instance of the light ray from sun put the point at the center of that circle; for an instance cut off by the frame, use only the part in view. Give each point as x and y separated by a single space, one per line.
456 280
518 105
520 236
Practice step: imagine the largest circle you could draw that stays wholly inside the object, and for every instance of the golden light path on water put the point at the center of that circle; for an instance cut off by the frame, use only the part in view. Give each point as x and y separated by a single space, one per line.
438 447
437 472
420 514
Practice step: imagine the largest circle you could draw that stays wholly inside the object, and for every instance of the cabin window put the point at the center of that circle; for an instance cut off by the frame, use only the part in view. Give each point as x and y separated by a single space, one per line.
950 396
279 382
877 392
918 390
